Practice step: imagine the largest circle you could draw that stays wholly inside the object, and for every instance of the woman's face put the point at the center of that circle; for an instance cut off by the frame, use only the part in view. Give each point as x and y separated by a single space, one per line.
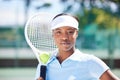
65 37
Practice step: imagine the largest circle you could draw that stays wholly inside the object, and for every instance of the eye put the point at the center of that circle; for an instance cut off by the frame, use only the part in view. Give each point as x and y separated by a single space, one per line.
57 32
70 32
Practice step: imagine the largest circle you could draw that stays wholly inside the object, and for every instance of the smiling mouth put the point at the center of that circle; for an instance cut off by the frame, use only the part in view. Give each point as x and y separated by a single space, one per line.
65 44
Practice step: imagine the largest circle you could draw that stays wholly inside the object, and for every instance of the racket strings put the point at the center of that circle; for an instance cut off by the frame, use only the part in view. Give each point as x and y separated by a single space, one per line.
41 37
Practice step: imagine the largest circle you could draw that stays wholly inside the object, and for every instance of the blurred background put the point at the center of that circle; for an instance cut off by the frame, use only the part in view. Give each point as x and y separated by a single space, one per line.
99 32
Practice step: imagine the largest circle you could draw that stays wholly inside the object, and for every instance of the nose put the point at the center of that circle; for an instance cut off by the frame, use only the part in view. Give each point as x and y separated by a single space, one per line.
64 36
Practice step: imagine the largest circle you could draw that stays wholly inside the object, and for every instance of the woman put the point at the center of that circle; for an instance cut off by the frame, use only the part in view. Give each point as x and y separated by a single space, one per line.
69 63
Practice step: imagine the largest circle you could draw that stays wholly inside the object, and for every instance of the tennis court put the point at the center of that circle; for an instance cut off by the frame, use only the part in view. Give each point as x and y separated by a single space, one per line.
26 73
17 73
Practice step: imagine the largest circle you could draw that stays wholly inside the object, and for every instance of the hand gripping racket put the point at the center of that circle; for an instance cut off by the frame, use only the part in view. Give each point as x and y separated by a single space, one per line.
39 37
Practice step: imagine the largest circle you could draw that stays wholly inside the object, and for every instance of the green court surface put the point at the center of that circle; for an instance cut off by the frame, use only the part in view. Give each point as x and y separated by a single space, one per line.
27 73
17 73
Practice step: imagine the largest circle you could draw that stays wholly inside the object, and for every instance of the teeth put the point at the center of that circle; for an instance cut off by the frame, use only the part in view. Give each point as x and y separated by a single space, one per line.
65 43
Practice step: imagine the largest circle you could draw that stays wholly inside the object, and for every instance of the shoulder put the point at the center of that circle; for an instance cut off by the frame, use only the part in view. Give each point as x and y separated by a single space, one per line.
94 64
91 60
84 56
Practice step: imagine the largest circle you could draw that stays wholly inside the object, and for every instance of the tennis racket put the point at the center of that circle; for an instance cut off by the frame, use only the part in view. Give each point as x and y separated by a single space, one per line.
39 37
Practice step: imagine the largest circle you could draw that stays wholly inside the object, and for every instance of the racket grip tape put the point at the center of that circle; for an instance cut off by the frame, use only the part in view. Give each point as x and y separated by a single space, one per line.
43 71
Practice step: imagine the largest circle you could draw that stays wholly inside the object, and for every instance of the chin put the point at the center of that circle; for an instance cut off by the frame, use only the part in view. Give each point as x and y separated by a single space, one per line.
66 49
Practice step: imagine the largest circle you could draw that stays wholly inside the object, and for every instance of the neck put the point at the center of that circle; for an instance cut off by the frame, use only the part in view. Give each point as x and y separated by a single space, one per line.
62 55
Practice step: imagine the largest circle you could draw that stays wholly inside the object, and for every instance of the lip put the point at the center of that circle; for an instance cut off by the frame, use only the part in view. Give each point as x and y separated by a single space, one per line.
65 43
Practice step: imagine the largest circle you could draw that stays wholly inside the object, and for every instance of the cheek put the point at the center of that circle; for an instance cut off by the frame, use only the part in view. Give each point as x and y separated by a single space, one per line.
73 40
75 37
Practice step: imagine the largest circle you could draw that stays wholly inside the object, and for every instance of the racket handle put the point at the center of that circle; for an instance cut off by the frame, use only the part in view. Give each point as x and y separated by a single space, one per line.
43 71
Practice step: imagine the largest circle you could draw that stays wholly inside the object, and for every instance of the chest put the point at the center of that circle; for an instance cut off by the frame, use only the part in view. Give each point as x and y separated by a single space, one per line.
68 70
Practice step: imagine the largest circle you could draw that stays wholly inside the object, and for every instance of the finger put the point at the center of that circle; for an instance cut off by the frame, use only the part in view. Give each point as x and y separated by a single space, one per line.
40 78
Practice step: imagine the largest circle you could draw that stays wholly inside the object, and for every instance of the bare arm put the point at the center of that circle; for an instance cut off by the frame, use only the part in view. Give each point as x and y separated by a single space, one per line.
108 75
